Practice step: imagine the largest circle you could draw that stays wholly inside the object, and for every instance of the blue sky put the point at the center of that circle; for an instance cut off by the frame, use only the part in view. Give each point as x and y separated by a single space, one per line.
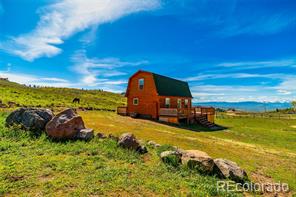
228 50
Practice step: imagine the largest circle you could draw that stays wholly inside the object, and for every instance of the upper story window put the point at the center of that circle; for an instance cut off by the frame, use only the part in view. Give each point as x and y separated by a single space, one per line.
179 103
186 103
141 84
135 101
167 102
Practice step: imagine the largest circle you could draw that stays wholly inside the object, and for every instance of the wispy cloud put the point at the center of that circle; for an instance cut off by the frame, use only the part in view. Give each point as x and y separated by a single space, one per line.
61 20
206 93
54 79
236 17
258 24
260 64
35 80
96 71
260 82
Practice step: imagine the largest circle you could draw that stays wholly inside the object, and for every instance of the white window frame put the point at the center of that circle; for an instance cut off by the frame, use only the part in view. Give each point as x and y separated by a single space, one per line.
135 99
167 102
139 83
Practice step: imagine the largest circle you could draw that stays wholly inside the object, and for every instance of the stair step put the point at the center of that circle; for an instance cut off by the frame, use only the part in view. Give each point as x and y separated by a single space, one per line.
203 120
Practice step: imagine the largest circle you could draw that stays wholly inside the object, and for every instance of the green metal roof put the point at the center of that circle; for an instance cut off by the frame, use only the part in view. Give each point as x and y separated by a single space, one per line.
167 86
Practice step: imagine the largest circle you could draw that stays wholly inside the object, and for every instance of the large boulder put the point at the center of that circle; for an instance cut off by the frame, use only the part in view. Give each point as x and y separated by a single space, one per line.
30 118
229 169
128 141
198 160
65 125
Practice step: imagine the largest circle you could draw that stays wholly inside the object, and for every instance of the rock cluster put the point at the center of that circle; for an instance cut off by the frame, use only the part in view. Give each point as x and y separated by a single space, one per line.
203 163
69 125
65 125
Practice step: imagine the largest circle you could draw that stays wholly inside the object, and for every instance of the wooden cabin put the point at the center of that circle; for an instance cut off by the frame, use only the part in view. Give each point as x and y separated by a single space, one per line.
162 98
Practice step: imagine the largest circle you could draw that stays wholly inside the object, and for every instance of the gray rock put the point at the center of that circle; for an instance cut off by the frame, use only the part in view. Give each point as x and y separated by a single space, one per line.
85 134
30 118
128 141
142 150
101 136
229 169
171 157
198 160
153 144
65 125
113 137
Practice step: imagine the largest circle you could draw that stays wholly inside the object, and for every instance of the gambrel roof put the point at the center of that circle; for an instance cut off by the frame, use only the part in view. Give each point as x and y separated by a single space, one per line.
166 86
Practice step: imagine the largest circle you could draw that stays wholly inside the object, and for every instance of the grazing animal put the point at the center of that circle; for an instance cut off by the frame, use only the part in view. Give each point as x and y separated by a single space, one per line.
76 100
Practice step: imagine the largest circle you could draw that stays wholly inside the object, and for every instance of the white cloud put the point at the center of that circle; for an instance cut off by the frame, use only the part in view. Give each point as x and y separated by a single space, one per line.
54 79
95 71
260 64
61 20
19 78
256 24
22 78
284 92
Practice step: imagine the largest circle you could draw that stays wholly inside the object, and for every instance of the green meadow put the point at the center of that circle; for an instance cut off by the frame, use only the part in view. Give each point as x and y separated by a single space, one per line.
58 97
265 147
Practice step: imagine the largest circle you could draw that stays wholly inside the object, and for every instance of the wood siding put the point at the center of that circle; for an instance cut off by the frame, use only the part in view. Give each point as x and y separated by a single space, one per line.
173 101
148 99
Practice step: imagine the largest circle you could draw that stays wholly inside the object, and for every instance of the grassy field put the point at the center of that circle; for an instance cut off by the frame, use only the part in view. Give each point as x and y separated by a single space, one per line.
58 97
39 167
265 147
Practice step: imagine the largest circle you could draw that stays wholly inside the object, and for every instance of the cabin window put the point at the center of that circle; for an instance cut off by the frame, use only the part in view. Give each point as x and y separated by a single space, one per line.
167 102
141 84
135 101
179 103
186 103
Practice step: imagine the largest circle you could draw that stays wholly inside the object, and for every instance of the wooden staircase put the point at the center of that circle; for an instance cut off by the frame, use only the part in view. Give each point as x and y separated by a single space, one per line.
203 121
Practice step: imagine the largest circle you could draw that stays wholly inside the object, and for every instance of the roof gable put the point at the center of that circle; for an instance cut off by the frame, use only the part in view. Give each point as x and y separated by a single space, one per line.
166 86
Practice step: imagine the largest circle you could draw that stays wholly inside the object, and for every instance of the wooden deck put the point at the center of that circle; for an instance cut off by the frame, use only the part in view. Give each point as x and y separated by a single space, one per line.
175 114
185 113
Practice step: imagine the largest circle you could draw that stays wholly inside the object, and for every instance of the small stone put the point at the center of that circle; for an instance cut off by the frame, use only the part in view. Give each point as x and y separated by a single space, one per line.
128 141
142 150
85 134
153 144
101 136
113 137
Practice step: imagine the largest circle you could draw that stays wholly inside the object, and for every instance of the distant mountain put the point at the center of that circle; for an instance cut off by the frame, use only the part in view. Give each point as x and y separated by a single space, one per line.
250 106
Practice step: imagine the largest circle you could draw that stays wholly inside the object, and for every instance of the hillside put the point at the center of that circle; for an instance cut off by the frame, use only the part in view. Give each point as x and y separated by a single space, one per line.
39 167
58 97
264 147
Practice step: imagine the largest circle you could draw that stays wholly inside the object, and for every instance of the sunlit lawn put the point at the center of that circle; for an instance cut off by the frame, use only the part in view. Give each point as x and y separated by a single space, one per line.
264 147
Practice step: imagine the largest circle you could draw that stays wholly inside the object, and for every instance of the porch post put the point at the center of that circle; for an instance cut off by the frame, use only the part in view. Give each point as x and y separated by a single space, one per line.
188 111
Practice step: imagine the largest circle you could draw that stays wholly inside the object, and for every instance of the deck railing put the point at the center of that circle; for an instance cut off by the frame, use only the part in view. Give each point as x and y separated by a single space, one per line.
122 111
183 112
